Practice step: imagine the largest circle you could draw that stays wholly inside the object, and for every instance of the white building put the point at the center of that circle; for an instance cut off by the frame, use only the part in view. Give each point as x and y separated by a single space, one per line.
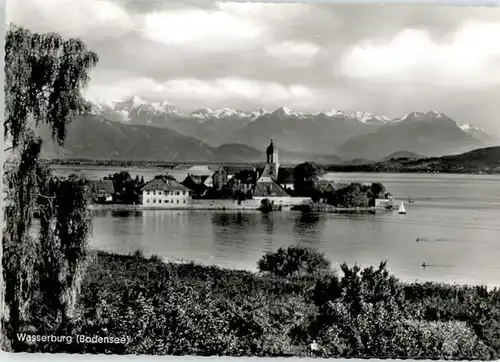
166 192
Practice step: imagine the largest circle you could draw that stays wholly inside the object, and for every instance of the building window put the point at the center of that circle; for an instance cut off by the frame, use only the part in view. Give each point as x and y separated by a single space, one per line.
183 192
147 192
159 192
177 193
166 201
184 201
172 201
147 200
177 201
154 201
159 201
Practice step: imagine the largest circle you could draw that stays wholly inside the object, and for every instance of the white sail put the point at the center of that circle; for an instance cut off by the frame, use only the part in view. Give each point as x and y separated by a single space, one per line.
402 208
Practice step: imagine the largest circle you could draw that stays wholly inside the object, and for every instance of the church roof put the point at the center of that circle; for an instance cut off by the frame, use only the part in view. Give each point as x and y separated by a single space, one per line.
269 188
268 171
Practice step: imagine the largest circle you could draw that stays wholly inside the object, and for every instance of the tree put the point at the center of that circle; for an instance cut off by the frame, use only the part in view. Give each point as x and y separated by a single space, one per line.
304 179
294 260
44 76
377 190
352 196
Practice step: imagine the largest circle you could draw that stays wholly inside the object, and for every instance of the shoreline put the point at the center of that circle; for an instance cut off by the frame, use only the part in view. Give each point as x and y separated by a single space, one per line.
329 168
122 207
314 208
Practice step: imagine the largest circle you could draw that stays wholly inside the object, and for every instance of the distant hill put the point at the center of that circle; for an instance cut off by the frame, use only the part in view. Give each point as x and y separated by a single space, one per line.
358 161
94 137
483 160
489 157
429 134
97 138
403 154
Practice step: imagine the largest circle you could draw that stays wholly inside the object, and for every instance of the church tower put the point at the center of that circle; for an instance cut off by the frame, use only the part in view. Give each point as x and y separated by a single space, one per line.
272 165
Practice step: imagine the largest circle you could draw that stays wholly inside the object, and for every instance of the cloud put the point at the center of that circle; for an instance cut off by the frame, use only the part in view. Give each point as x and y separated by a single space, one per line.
291 51
118 85
211 29
202 53
412 55
216 90
263 11
72 18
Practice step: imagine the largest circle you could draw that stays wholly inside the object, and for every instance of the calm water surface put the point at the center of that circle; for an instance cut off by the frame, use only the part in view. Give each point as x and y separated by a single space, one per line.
459 215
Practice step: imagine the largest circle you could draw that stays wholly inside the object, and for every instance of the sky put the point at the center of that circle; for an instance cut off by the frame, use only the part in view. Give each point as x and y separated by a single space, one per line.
384 59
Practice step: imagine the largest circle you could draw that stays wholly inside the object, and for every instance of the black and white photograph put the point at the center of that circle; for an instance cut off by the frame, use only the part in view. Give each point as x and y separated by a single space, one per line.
251 179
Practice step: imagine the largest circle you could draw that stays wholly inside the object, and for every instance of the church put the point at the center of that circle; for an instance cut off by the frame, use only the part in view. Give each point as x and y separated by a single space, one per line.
266 185
259 184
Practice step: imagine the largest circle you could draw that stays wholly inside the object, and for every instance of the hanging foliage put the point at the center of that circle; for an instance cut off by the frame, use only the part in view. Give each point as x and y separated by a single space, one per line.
44 78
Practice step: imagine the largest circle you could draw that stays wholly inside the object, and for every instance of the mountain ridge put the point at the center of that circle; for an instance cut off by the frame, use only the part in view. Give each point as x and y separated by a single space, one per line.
94 137
323 132
137 129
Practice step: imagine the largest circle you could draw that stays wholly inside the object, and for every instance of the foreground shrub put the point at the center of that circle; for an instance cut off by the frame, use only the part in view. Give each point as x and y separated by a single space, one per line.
294 260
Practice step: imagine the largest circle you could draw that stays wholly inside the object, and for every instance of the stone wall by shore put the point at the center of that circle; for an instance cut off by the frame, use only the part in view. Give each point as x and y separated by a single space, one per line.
200 204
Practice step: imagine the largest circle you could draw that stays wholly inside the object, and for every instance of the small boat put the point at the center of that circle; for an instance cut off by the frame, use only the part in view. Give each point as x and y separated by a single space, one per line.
424 265
402 210
410 200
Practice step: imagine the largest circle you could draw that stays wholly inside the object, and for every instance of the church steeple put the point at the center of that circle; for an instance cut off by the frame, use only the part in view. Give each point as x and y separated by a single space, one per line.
270 152
272 165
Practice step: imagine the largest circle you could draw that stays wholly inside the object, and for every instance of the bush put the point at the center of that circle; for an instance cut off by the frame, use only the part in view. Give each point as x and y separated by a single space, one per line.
293 261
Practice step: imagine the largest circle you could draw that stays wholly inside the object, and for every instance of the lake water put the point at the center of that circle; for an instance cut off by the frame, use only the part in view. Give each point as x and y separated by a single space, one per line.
459 215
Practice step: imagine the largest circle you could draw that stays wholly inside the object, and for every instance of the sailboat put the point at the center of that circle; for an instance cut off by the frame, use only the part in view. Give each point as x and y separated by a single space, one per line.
402 210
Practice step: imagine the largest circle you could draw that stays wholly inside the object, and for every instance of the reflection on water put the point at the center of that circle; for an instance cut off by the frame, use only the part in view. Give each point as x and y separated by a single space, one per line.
462 239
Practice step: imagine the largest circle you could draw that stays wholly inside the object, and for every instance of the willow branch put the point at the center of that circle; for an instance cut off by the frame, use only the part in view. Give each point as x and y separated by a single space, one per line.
47 197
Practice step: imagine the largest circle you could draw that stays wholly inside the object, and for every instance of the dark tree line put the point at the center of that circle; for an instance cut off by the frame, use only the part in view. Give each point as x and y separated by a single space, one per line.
127 190
306 183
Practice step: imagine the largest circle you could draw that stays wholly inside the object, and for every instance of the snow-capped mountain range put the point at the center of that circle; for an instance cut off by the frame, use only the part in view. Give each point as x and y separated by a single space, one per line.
324 132
128 109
